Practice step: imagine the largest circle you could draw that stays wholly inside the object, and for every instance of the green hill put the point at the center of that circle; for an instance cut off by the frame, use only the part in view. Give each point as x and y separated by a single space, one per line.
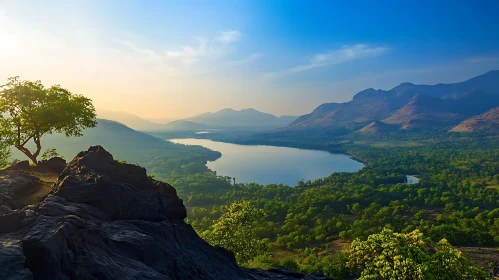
160 157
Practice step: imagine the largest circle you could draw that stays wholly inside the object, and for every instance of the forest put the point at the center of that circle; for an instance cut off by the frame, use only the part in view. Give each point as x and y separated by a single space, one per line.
308 227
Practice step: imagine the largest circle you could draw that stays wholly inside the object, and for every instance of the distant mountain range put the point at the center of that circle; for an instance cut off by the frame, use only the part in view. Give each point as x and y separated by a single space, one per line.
140 124
408 107
249 118
242 118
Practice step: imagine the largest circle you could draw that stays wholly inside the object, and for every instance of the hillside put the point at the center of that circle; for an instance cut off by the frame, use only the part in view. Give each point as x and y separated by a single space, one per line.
397 105
184 125
425 109
378 127
130 120
242 118
159 156
486 122
317 113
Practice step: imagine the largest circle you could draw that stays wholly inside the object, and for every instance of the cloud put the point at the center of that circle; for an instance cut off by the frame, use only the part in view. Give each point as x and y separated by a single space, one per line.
229 36
344 54
481 59
191 54
246 60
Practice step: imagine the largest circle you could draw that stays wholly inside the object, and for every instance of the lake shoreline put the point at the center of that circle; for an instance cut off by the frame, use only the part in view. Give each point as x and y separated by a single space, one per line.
271 164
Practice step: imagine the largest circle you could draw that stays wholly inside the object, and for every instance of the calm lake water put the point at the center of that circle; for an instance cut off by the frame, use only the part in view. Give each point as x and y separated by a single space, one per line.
273 165
412 180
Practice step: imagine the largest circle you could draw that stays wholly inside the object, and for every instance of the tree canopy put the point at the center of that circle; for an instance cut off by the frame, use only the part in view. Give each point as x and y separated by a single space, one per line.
235 230
391 255
30 110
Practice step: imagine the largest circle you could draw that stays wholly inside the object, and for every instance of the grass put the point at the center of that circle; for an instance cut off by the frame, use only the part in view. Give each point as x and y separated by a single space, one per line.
37 194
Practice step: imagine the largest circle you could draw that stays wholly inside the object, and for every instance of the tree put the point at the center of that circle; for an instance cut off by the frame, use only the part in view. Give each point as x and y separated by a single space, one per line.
29 110
235 231
390 255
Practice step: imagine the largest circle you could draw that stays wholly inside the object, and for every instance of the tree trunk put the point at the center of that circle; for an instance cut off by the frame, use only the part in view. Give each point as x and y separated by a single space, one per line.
28 153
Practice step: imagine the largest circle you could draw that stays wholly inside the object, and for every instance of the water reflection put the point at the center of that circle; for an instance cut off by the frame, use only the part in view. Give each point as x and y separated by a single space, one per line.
273 165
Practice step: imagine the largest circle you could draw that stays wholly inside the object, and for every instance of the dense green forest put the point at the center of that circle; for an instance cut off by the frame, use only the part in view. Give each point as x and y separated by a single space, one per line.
456 199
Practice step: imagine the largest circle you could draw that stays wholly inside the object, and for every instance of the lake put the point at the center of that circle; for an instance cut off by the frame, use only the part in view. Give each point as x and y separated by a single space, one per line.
273 165
412 179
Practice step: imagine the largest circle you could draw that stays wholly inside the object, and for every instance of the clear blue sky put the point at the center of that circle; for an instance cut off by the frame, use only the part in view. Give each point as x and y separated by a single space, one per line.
282 57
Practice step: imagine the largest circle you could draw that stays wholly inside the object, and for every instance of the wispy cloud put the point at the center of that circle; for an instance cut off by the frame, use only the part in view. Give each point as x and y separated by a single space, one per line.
480 59
229 36
191 54
246 60
344 54
206 48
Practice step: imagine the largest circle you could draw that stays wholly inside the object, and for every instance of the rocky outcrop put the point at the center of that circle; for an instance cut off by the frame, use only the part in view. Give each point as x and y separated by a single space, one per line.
20 165
13 187
55 164
109 220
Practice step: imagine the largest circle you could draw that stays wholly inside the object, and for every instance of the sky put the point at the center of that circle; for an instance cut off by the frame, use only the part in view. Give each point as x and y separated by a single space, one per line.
175 59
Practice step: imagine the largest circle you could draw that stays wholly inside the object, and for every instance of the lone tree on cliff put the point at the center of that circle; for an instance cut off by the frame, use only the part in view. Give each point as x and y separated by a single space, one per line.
29 110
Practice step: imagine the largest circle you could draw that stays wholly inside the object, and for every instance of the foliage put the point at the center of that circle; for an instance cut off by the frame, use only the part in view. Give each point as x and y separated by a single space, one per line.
390 255
50 153
30 110
4 154
235 231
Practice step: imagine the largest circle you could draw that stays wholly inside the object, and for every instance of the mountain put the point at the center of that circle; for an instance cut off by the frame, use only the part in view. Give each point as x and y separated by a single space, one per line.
486 122
422 109
398 106
243 118
318 113
378 127
138 123
132 121
105 219
184 125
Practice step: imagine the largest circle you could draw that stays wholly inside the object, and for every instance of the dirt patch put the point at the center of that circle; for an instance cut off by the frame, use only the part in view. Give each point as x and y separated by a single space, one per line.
487 258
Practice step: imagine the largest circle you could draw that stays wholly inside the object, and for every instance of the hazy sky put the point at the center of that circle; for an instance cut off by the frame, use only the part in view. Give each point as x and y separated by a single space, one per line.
173 59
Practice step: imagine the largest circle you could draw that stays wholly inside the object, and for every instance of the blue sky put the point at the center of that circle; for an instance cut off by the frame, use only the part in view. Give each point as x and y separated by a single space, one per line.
180 58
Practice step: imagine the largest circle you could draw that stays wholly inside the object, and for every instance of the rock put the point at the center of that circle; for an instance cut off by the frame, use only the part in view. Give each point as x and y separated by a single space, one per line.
55 164
21 165
14 186
283 273
11 221
109 220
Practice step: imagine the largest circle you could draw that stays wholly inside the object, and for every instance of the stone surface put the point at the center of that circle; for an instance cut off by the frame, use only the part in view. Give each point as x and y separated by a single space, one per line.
108 220
55 164
14 185
21 165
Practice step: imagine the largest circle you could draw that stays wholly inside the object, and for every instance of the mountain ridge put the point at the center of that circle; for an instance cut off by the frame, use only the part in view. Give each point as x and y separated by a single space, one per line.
444 104
248 117
486 122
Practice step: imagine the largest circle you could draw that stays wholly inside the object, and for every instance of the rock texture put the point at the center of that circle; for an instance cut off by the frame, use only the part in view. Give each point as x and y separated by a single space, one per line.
55 164
13 185
109 220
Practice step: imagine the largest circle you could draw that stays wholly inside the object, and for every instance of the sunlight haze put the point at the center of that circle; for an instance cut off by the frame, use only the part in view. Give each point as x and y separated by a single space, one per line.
181 58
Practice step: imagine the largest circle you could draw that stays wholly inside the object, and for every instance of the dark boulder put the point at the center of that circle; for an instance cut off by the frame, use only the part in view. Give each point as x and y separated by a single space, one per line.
14 186
55 164
109 220
20 165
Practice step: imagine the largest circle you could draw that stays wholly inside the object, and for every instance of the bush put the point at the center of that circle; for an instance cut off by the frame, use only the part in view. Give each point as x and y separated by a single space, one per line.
390 255
50 153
